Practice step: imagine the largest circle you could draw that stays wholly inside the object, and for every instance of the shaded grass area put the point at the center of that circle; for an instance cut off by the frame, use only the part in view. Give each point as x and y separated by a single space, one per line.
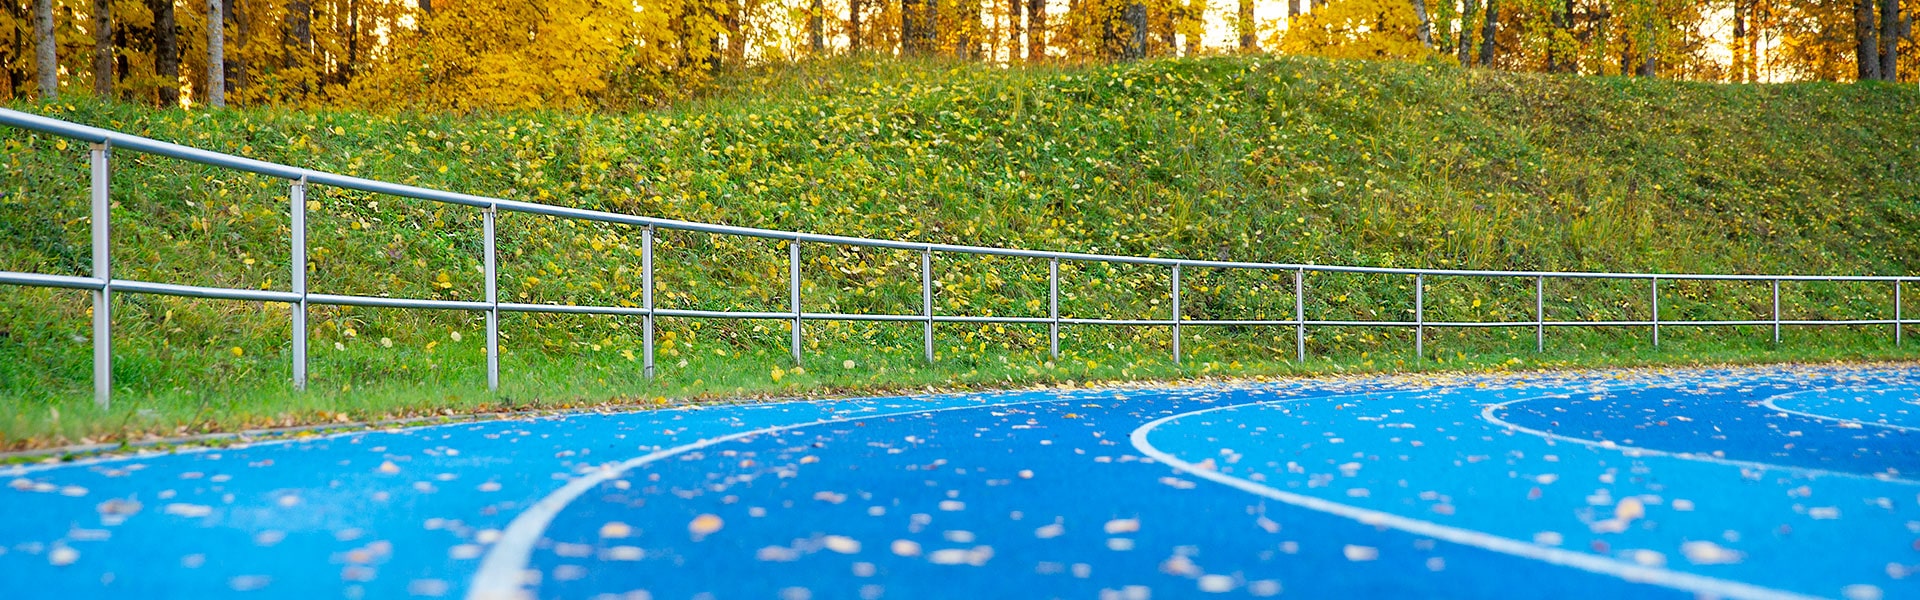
1281 159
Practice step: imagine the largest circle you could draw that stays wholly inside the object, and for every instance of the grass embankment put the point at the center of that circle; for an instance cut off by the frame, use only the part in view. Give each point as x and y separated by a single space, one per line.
1269 159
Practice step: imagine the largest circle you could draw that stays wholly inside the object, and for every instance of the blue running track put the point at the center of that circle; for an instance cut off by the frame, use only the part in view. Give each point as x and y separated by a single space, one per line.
1742 483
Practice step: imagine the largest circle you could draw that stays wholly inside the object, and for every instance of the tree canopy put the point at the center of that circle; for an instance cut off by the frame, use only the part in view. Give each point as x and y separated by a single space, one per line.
614 54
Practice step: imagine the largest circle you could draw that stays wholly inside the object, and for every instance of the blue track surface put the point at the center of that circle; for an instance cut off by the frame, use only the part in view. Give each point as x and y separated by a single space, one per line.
1742 483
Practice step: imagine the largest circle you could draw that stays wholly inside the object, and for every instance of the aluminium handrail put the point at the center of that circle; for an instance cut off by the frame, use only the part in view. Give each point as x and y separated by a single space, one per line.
102 284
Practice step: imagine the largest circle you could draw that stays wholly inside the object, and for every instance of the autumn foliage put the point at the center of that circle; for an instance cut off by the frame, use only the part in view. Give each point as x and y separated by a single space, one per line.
615 54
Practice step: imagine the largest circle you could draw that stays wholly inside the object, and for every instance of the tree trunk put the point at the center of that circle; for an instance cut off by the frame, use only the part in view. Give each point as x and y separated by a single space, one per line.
426 8
1248 35
817 27
909 26
1866 41
1740 59
353 42
46 64
1135 47
966 24
1487 31
17 78
235 66
166 52
122 38
300 27
1169 28
1016 17
1036 30
1464 51
1557 61
853 25
917 29
1425 32
930 32
216 55
102 48
1753 43
1649 55
1890 34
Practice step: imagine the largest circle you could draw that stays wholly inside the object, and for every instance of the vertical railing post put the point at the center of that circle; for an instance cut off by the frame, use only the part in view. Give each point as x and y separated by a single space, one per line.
1176 314
1419 316
646 300
1898 322
297 196
793 293
926 302
1053 307
1539 314
493 301
1655 286
1300 315
102 271
1776 312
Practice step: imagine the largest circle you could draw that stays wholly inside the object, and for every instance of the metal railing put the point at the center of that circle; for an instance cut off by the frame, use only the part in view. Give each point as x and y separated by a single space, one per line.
103 284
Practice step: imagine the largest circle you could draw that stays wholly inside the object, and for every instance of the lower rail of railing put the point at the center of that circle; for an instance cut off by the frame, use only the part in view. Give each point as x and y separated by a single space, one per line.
1054 321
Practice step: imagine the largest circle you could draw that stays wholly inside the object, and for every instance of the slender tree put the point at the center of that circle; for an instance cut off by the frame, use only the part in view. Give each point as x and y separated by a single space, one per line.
102 48
817 27
353 42
1742 63
46 63
166 52
1425 33
1134 46
234 64
216 55
16 76
1464 50
854 8
1248 41
299 28
1892 28
1036 29
1488 28
1866 41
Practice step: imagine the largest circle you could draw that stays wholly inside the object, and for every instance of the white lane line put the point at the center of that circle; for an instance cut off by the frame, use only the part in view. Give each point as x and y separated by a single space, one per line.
1699 584
1486 414
502 573
502 570
1769 403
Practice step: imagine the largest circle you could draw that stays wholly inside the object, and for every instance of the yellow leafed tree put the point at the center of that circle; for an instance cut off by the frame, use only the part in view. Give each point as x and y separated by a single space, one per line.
1372 29
565 54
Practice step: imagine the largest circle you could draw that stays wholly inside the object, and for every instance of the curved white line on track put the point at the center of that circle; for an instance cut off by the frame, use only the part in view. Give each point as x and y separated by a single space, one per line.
1699 584
1486 414
502 570
1770 404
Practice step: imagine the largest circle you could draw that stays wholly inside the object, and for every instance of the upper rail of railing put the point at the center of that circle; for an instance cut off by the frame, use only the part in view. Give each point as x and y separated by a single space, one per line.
103 284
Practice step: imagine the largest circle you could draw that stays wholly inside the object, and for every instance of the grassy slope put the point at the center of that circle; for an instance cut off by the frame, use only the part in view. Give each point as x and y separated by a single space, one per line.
1276 159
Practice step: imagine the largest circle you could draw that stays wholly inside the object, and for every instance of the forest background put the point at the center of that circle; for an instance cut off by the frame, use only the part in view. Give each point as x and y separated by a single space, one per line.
624 54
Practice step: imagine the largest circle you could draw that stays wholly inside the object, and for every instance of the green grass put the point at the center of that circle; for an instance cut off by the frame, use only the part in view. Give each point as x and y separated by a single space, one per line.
1245 158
